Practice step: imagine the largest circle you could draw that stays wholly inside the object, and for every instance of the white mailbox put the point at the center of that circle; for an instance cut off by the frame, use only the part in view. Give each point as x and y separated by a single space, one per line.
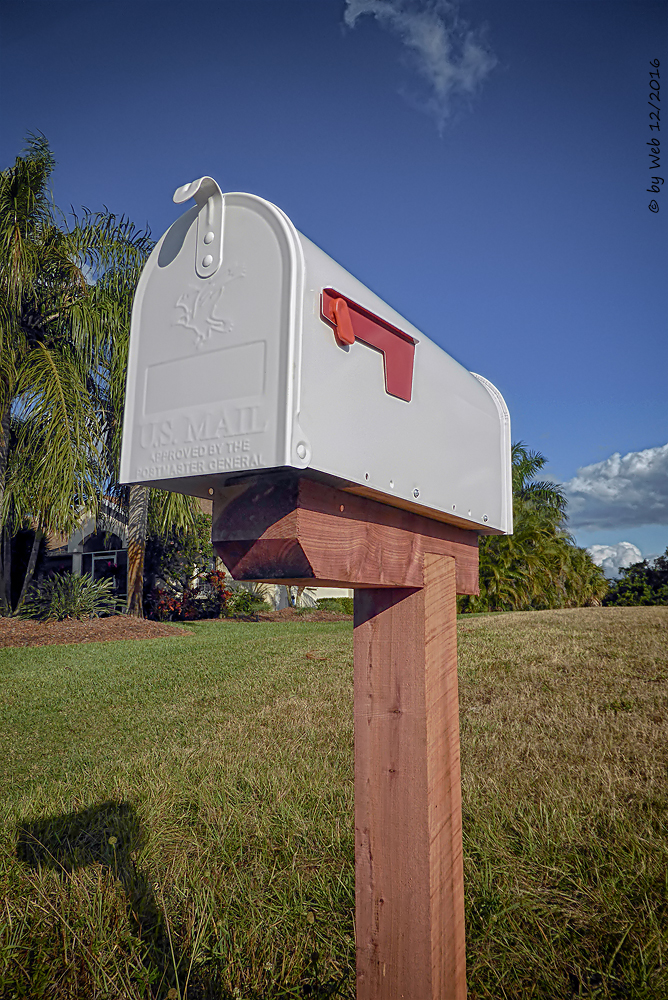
252 350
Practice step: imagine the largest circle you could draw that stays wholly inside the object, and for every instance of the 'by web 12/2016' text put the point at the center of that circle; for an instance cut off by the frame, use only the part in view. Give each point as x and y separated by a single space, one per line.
655 124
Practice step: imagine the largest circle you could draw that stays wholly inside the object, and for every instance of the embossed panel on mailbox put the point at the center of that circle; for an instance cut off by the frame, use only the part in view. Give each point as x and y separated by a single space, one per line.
209 372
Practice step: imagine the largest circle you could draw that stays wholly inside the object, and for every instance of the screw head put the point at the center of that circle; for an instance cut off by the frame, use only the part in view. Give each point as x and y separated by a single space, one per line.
210 491
301 450
416 493
485 518
208 261
208 237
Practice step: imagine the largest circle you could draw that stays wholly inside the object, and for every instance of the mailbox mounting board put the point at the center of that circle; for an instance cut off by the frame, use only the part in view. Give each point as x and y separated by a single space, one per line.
280 358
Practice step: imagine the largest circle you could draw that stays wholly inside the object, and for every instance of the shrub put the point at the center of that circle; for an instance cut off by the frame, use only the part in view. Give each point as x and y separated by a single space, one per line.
218 593
245 602
175 560
208 601
211 600
66 595
343 604
165 606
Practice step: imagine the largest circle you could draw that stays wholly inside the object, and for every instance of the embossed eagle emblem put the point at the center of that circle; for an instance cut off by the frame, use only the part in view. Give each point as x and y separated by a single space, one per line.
200 307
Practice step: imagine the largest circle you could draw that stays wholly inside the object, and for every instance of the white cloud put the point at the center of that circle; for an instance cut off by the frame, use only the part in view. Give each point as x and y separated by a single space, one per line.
615 557
446 52
623 491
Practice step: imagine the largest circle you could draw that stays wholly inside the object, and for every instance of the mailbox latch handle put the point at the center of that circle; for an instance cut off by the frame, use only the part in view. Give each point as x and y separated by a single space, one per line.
209 199
352 322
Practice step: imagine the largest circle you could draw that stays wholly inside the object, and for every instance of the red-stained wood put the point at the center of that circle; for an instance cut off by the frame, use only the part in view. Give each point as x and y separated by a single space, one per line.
297 531
409 886
406 570
444 790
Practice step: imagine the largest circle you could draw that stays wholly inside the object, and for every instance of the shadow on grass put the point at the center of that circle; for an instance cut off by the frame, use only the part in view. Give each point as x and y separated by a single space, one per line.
108 834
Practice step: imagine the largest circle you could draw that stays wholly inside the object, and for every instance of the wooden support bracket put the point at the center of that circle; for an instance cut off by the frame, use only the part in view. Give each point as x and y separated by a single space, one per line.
406 570
281 528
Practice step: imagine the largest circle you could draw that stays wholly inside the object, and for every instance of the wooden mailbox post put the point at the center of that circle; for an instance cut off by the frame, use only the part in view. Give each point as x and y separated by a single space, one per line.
342 447
406 570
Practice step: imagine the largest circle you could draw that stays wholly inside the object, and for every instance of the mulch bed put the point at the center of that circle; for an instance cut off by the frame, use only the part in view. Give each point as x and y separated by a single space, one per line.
14 632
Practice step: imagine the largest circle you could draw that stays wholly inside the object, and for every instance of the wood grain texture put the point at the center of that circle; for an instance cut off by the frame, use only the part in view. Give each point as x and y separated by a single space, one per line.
448 946
285 529
408 855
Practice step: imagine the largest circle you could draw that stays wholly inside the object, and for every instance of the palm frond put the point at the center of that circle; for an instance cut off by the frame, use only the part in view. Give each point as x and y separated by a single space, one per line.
55 464
546 493
171 512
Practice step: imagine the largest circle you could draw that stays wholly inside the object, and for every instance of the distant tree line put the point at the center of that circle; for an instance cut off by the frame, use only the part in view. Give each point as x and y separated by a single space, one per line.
643 583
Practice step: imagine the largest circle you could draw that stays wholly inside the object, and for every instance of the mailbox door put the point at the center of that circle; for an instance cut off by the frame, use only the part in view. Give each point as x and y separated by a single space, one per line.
211 358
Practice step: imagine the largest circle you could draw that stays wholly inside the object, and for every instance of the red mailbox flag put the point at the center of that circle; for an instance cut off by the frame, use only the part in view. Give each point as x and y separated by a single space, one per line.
352 322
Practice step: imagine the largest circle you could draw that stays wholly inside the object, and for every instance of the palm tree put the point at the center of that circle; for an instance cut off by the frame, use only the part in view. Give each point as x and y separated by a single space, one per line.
586 584
161 511
64 294
42 368
542 495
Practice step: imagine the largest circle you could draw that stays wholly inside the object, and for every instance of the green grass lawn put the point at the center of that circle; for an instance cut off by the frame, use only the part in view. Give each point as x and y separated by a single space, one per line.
187 804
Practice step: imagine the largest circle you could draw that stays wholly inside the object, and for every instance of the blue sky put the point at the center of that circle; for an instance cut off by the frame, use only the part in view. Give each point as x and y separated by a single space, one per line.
482 165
